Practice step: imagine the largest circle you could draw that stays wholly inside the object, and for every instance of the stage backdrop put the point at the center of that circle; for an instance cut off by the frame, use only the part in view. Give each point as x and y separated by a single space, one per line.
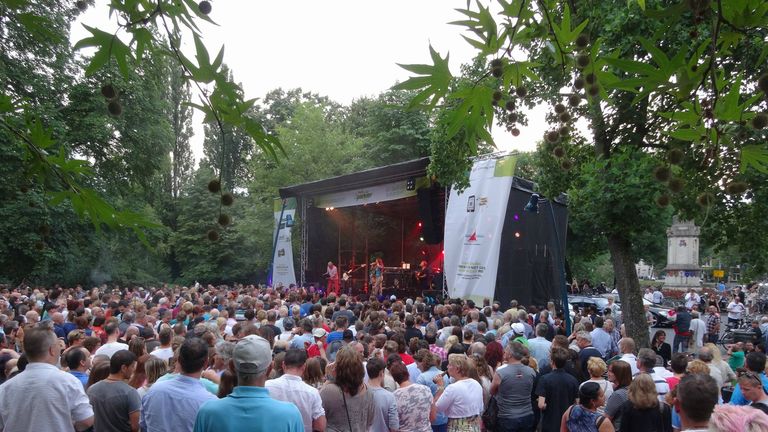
473 227
282 261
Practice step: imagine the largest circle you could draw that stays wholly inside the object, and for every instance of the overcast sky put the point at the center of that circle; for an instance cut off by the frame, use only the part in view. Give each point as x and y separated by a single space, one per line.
344 49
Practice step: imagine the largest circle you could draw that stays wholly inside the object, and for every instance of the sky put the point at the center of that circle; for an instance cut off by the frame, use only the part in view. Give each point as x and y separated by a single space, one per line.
342 49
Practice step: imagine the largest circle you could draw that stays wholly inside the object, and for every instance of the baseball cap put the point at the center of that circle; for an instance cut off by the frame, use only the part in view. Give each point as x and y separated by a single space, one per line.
518 328
319 332
252 355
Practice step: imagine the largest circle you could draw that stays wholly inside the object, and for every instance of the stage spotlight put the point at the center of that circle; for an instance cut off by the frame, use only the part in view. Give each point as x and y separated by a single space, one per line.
533 204
419 224
517 234
421 238
410 184
332 209
516 217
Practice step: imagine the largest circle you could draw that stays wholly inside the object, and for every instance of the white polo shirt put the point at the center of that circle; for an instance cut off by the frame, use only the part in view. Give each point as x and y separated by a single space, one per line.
290 388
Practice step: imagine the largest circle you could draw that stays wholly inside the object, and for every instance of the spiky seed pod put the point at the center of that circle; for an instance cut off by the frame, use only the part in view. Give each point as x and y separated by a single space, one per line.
564 130
762 83
675 156
558 152
582 41
582 60
23 189
510 105
736 188
662 200
497 95
593 90
224 219
705 199
81 5
205 7
496 63
227 199
45 230
590 78
676 185
213 235
553 136
760 121
694 34
108 91
39 245
497 72
574 100
565 117
521 92
566 165
662 173
115 108
512 117
515 131
214 186
559 108
495 103
578 83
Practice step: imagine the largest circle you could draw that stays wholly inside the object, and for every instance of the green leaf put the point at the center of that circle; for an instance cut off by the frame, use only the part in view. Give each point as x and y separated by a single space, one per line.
434 82
108 46
686 134
143 39
754 156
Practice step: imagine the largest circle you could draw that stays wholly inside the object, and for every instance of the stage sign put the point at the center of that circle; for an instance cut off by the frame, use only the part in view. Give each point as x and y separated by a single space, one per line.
371 194
282 262
473 226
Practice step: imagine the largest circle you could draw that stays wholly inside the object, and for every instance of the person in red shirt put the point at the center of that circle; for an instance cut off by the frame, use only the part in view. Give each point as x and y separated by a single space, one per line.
318 348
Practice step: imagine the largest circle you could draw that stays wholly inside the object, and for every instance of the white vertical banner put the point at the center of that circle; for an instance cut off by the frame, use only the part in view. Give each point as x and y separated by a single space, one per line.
473 225
282 262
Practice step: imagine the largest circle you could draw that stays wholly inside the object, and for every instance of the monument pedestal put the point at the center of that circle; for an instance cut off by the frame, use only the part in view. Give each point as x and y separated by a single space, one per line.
682 271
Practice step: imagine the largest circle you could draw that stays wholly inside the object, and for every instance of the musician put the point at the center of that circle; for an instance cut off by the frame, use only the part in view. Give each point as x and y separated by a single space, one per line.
423 275
333 278
377 275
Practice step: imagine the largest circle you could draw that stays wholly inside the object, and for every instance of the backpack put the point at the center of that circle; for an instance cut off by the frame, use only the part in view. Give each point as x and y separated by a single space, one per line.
582 420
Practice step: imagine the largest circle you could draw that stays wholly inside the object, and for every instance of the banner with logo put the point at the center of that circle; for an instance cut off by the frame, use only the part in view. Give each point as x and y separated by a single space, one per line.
373 194
473 224
282 262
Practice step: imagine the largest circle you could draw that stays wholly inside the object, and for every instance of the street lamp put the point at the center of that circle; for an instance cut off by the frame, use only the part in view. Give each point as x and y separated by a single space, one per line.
533 207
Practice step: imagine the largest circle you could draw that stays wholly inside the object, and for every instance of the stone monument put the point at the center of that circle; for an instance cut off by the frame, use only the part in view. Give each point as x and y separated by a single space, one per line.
683 270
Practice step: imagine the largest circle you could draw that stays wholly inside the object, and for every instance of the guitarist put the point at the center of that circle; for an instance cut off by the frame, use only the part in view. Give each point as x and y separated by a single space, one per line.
423 276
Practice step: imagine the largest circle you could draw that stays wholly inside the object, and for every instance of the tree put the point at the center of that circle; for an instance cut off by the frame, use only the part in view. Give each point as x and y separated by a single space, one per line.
180 114
668 85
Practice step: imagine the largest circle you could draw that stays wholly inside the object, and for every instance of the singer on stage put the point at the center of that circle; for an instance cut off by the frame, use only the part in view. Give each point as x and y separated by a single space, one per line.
333 278
377 275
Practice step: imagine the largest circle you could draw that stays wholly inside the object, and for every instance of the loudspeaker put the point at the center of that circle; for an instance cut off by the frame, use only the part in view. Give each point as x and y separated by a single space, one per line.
431 214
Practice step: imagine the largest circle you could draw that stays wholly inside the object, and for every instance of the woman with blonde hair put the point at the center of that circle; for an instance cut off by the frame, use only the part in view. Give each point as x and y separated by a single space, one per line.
643 412
729 376
597 368
154 368
462 401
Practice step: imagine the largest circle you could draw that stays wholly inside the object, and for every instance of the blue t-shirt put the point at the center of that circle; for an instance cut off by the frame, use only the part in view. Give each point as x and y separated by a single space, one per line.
737 398
248 408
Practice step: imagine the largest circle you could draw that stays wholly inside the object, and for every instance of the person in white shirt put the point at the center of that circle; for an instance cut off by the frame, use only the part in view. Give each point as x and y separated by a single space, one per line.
699 329
735 311
627 349
691 299
164 351
112 346
648 295
290 388
462 401
658 296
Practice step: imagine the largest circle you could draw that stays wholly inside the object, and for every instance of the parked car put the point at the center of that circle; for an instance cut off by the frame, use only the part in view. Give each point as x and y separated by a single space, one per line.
660 313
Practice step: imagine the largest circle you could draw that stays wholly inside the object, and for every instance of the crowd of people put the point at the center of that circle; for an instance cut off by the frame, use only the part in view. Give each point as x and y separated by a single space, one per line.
232 358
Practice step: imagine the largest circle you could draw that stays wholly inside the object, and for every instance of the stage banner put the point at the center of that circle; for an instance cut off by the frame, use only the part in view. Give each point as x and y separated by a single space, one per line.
473 224
371 194
282 262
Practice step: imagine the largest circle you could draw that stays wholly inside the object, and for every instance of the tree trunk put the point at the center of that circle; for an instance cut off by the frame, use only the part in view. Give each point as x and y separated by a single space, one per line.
628 285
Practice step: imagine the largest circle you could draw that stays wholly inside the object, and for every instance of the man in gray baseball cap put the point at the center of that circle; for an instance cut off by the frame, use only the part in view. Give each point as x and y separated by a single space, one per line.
249 406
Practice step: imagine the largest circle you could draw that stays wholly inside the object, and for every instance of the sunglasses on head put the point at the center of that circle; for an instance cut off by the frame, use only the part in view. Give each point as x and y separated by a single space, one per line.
749 375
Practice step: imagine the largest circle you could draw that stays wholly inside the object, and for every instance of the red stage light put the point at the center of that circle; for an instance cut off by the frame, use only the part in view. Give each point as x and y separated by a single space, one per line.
517 234
419 224
442 252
